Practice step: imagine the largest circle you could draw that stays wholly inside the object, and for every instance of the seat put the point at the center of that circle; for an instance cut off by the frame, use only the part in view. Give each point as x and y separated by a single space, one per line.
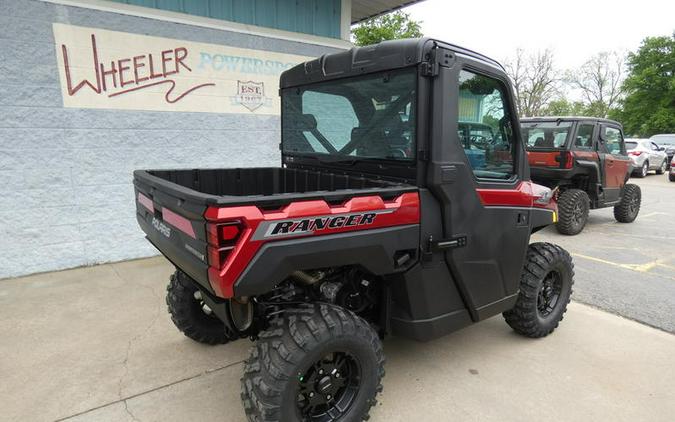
375 146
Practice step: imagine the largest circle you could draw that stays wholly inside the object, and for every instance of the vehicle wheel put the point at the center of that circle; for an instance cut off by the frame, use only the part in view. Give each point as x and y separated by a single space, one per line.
573 206
629 207
671 177
663 168
190 315
545 290
643 170
315 362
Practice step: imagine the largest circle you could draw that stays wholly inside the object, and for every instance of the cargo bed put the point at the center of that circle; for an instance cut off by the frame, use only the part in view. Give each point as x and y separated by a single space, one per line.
171 205
265 186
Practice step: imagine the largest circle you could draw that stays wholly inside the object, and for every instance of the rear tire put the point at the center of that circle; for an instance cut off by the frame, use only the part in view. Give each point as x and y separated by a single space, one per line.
309 356
662 169
189 315
573 207
644 170
629 207
545 290
671 177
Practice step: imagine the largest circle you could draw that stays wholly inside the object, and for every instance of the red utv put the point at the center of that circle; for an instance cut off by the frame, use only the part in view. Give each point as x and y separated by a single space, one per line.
386 216
584 160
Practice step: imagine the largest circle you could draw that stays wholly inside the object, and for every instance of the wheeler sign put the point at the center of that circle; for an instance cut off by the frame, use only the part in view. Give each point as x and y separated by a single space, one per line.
118 70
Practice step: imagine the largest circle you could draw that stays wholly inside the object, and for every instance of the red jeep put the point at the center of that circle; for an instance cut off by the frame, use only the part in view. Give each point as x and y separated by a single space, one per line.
376 222
584 159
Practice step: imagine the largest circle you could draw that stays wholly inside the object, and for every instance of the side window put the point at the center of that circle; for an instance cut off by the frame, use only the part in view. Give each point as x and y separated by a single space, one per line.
584 138
613 140
655 147
484 126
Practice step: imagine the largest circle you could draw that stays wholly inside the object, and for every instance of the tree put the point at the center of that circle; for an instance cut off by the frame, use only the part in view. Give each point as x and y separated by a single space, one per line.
599 80
563 107
649 104
535 80
390 26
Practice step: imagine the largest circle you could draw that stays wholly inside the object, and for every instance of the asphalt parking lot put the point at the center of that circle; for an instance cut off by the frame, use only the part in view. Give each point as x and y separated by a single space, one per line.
96 344
628 269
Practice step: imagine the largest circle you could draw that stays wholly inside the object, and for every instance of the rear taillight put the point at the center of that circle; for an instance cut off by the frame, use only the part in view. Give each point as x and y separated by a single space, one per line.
635 153
566 160
222 238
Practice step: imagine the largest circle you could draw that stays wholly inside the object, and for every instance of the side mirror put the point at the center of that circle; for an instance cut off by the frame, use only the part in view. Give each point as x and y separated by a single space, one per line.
662 148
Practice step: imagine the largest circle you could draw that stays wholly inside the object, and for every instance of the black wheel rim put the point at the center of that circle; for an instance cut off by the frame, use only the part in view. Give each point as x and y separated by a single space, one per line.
633 204
549 293
329 387
578 213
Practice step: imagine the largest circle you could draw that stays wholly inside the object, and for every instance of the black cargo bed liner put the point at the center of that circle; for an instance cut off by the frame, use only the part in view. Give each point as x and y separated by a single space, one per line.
266 186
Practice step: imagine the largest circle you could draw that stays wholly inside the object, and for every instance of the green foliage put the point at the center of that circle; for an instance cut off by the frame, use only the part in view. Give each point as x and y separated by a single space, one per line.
649 105
390 26
563 107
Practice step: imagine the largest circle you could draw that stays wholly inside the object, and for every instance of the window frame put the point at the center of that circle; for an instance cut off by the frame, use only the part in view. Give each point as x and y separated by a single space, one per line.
594 137
602 136
295 156
517 142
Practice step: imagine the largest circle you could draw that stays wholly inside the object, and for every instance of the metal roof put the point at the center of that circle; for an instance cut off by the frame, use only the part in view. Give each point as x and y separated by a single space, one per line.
366 9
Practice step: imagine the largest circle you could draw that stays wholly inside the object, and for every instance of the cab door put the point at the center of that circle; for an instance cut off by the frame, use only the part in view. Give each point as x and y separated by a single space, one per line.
478 177
614 160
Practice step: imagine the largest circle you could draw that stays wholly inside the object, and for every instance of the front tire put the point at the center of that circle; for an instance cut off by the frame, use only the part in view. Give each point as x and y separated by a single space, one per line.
663 168
629 207
314 362
545 290
671 177
190 315
573 207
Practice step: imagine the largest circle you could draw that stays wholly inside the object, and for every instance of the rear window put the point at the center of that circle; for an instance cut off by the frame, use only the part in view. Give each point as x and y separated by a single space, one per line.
663 139
631 145
545 135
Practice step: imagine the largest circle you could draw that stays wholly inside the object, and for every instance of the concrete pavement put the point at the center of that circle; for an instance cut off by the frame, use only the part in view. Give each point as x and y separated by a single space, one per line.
96 344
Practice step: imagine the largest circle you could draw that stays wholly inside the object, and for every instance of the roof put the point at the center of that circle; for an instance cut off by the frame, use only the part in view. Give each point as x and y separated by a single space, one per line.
567 119
366 9
386 55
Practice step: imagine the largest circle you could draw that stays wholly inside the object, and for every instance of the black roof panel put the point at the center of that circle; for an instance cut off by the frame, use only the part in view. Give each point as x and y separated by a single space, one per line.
386 55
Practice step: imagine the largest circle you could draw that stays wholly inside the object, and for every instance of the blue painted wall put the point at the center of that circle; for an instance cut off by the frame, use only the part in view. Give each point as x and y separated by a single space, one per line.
316 17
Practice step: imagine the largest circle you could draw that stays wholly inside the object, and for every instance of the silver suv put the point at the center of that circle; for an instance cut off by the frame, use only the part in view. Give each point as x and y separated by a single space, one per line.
646 155
667 141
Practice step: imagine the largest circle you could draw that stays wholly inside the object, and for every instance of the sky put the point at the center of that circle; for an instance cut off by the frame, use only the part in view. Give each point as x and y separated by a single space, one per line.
573 29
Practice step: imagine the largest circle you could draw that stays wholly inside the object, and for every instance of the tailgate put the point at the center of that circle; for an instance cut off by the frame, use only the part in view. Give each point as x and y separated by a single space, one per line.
175 225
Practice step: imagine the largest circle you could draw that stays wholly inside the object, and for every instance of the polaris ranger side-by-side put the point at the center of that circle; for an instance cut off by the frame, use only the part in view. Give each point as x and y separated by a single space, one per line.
584 160
403 205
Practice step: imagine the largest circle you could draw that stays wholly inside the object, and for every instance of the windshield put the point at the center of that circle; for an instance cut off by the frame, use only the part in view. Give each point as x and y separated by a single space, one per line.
545 134
370 116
